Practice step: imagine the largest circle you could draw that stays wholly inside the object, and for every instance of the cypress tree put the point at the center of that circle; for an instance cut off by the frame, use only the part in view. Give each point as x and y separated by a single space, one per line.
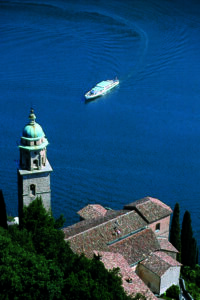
193 253
197 256
189 248
3 215
175 232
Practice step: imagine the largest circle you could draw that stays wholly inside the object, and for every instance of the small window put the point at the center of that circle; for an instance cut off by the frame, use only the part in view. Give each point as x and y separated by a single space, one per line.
35 164
157 226
32 189
43 160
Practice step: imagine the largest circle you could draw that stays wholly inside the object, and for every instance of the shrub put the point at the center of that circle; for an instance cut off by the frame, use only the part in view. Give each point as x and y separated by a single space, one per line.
173 292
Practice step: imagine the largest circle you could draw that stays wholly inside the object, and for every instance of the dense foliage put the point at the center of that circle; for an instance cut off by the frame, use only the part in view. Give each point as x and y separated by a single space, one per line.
24 274
173 292
192 279
36 263
175 232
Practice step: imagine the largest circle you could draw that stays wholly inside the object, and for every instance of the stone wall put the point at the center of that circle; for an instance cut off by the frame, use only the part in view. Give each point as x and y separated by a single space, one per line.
41 181
158 284
170 277
150 279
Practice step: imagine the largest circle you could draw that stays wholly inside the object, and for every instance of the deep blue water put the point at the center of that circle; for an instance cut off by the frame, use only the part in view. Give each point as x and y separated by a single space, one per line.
143 138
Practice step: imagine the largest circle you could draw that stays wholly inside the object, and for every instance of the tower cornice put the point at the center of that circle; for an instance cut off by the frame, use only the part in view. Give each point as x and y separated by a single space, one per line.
35 147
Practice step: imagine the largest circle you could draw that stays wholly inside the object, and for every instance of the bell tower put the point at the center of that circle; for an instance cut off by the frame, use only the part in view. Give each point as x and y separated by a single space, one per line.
34 169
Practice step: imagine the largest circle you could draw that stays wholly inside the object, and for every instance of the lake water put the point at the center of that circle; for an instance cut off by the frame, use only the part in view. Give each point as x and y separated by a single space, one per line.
143 138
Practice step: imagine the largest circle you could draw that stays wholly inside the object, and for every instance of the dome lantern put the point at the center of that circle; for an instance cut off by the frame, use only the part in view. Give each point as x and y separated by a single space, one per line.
32 117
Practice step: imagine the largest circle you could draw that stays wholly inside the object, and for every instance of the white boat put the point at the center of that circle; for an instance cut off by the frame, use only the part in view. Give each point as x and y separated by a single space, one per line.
101 88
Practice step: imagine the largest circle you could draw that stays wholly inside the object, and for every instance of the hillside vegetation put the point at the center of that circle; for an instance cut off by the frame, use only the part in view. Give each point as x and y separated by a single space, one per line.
36 263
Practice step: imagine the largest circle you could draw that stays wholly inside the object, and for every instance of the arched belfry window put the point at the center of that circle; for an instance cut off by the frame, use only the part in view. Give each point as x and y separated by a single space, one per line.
32 190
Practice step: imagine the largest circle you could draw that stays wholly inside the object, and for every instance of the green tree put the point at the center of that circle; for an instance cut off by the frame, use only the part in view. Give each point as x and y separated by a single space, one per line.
46 238
3 215
192 280
25 275
175 232
194 253
90 280
35 216
173 292
188 243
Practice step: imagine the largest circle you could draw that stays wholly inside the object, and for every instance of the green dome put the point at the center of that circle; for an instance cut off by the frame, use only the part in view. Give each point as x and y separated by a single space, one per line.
33 131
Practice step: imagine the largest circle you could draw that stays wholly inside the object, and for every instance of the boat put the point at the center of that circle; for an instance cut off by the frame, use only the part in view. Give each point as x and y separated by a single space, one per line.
101 88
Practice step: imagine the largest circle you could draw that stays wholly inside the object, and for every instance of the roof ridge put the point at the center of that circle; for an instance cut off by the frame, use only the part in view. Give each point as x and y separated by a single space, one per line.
127 235
99 225
167 258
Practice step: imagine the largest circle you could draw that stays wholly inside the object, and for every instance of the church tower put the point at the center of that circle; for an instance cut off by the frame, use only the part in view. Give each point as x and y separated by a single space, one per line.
34 169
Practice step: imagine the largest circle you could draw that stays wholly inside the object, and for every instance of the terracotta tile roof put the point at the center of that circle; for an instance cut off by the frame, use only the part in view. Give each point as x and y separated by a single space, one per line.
87 242
92 211
166 245
136 247
123 239
96 235
150 208
168 259
132 284
159 262
89 223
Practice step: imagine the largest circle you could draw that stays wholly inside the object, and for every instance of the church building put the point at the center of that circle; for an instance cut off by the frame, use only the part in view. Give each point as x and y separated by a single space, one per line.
34 169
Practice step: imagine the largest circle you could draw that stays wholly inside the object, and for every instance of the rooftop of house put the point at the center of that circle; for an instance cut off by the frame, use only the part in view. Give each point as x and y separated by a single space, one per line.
92 211
124 239
131 282
90 222
151 209
122 231
166 245
97 234
159 262
168 259
137 246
